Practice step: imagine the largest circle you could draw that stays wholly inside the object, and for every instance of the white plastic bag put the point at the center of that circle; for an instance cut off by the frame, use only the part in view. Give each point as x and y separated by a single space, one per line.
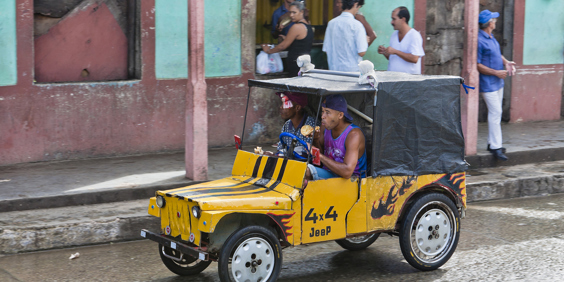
275 62
269 63
262 63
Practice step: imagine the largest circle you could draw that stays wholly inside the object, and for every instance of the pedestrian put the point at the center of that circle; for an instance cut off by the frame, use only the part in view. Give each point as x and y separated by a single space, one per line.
406 45
298 41
345 39
281 22
370 33
491 68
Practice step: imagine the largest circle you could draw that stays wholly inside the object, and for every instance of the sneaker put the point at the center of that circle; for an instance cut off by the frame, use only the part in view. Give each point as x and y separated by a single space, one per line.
498 154
490 150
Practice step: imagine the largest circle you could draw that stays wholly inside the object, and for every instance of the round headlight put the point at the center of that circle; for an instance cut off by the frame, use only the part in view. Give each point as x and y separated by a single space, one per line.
160 201
196 212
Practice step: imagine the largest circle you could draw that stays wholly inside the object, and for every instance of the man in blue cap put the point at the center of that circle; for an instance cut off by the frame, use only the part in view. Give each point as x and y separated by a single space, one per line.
342 143
491 68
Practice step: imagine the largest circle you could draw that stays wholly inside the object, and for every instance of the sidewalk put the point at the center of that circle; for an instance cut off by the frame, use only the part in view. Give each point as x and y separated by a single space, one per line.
42 205
95 181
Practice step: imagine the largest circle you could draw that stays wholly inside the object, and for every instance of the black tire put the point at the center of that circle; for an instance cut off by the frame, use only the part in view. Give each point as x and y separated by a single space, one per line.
424 244
187 266
358 243
252 248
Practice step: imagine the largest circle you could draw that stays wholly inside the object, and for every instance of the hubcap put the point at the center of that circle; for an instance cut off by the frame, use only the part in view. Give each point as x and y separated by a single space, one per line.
360 239
432 232
253 260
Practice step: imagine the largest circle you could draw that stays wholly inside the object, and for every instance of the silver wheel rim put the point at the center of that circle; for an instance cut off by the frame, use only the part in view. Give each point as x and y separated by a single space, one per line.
432 232
360 239
253 260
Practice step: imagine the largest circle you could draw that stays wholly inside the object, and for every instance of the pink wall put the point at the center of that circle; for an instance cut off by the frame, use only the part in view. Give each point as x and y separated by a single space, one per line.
536 90
42 122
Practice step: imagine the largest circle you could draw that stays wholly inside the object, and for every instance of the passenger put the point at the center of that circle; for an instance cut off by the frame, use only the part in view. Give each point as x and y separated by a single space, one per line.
293 111
342 144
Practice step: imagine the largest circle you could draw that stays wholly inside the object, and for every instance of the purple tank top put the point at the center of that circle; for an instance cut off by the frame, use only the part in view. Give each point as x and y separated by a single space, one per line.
335 149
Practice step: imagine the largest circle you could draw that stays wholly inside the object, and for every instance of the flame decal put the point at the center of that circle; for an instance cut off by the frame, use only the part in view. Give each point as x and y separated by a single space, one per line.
284 221
388 207
454 182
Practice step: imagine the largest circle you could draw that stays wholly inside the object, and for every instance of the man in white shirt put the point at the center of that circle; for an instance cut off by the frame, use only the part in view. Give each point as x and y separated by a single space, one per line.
406 45
345 39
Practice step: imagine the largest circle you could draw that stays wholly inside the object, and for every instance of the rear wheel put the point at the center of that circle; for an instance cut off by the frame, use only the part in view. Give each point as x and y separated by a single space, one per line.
252 253
430 232
182 264
359 242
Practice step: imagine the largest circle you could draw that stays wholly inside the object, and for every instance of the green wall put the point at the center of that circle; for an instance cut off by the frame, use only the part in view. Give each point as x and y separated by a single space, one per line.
8 50
171 39
379 15
544 32
222 38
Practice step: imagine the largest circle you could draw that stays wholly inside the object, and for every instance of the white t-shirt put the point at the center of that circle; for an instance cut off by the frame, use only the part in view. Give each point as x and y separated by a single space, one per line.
345 37
411 43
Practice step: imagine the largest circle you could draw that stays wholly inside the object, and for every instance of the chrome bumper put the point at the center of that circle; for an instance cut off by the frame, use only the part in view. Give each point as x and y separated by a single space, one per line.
173 244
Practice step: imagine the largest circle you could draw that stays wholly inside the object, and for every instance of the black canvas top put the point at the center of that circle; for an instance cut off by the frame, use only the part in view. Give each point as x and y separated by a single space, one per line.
417 127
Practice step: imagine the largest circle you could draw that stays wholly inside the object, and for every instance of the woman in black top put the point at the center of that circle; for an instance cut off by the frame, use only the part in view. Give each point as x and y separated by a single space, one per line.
298 41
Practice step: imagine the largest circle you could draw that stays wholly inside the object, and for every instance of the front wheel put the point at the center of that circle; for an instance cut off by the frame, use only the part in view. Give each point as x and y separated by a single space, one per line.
359 242
182 265
252 253
429 234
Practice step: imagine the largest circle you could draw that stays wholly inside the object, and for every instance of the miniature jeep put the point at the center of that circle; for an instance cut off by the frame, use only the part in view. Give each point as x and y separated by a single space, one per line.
414 189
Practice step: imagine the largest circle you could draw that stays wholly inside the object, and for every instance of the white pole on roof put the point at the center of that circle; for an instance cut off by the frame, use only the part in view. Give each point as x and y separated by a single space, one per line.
360 114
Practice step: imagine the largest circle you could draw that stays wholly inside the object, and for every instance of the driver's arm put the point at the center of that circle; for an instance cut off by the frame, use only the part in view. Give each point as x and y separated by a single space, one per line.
346 168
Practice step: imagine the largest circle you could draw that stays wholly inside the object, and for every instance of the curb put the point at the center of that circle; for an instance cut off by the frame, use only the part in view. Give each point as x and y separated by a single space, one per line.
516 158
520 187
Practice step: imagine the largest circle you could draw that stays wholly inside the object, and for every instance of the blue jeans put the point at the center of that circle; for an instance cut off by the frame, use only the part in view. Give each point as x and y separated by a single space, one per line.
319 173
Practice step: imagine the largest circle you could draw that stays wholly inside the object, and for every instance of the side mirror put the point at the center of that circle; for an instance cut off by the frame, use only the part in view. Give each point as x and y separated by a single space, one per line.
237 142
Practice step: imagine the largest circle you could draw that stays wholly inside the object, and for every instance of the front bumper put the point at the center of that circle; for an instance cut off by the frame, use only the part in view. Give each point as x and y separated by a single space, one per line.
173 244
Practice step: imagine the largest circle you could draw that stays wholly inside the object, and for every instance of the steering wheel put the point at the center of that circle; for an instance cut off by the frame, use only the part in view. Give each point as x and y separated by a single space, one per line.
296 155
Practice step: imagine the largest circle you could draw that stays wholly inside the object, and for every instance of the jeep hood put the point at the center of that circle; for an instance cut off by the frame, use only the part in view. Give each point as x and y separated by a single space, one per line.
257 183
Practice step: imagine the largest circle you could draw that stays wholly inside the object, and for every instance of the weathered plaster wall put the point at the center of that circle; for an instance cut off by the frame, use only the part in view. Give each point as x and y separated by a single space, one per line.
444 41
76 120
537 87
8 67
223 38
41 122
86 45
171 39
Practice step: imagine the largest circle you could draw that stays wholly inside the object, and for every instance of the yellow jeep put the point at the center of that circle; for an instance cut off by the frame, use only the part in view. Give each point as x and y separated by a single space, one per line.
415 186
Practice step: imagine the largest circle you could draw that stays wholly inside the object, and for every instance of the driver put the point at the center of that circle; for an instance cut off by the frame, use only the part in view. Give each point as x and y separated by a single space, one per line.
342 144
293 111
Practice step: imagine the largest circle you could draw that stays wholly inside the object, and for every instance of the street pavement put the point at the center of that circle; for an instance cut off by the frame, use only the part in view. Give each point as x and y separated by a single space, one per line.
81 202
505 240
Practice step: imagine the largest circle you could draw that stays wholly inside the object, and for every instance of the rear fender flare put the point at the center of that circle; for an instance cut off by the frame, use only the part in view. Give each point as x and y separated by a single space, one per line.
424 190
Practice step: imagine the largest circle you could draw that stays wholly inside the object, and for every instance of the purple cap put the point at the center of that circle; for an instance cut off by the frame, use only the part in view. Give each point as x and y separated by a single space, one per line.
338 103
486 16
298 98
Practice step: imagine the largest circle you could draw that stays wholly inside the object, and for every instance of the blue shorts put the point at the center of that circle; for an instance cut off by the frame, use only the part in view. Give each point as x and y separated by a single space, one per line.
319 173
